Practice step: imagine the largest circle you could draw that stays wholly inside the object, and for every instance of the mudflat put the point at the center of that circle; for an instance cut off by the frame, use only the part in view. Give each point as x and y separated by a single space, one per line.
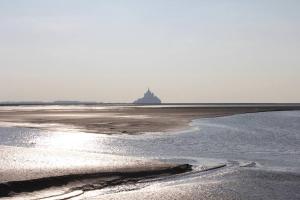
120 119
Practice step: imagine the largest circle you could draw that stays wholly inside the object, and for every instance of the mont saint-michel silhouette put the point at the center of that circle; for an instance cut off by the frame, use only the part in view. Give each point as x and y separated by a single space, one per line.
149 98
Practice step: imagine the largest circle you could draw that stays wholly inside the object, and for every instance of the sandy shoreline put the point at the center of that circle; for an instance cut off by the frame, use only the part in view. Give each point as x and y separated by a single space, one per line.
116 120
253 162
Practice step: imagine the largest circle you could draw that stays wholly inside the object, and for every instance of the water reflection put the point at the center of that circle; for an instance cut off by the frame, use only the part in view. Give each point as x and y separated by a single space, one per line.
266 137
67 140
77 141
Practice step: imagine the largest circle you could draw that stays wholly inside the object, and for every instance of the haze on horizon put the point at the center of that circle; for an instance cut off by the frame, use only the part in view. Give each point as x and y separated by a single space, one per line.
185 51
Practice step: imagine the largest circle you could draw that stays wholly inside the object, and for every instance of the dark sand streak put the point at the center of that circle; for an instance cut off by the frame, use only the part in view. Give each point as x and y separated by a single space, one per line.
10 188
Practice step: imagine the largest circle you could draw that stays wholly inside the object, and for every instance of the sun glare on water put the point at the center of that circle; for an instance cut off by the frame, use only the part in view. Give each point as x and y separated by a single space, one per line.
71 141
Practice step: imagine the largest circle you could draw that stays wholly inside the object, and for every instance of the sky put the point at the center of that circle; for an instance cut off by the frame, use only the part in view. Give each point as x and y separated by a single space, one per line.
185 51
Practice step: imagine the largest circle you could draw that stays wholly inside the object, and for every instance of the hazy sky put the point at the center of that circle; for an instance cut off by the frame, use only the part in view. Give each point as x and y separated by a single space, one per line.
184 50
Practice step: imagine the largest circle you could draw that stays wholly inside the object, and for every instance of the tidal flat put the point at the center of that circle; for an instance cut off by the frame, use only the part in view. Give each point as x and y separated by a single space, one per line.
122 119
152 152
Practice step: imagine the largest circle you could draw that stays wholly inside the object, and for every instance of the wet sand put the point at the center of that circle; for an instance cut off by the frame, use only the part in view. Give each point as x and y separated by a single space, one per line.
124 119
34 169
240 184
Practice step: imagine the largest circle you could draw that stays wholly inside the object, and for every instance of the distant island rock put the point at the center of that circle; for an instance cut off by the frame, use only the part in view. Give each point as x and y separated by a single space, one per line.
149 98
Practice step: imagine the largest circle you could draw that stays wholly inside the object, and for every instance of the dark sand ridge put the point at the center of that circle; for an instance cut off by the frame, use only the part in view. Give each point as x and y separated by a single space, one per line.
32 169
104 179
129 120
